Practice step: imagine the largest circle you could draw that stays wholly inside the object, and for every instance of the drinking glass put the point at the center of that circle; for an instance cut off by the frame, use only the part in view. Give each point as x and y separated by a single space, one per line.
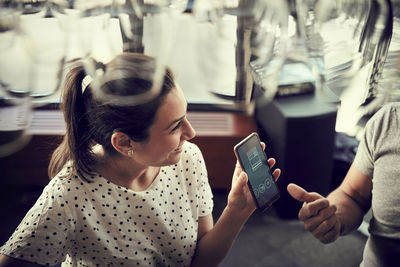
32 53
15 82
107 28
233 44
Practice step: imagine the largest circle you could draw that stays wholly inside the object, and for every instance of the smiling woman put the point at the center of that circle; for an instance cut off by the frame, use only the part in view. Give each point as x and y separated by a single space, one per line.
127 187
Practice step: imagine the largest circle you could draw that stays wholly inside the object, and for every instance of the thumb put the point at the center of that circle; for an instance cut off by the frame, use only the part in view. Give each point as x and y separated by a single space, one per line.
301 194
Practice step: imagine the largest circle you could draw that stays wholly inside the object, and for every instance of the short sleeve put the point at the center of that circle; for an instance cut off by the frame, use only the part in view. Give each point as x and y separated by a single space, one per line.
378 129
364 159
44 235
205 196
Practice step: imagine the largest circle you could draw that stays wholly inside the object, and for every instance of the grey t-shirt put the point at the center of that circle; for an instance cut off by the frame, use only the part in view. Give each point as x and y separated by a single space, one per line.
378 157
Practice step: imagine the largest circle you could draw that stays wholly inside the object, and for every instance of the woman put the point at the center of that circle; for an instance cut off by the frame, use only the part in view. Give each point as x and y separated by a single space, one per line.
128 189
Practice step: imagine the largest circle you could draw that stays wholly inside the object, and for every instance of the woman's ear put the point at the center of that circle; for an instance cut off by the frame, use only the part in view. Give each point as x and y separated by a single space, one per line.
122 143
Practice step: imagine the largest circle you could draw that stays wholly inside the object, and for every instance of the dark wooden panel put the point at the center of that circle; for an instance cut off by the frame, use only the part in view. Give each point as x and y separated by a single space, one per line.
218 150
28 166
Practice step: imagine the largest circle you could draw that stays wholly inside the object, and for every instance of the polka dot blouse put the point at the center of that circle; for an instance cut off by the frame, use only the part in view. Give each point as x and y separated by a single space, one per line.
103 224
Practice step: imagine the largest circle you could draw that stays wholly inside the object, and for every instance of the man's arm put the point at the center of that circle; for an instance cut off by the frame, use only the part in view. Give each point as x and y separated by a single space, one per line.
338 214
352 199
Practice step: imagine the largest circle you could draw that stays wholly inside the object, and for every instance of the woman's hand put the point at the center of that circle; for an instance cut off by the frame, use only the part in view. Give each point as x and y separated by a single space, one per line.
240 200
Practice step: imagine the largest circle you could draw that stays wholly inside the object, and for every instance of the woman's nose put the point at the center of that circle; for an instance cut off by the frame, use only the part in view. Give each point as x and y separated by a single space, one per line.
189 132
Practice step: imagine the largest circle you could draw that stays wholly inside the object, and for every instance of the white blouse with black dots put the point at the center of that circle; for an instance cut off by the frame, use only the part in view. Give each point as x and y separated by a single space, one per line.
102 224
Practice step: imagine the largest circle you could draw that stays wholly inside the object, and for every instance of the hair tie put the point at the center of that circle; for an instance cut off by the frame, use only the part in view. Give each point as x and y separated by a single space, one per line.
101 66
85 82
99 71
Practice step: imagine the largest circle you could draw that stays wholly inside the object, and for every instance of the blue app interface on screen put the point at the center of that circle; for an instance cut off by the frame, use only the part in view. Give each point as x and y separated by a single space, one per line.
256 166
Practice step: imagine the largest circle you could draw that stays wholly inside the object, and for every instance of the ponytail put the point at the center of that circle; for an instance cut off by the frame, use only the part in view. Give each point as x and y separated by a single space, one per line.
75 146
91 120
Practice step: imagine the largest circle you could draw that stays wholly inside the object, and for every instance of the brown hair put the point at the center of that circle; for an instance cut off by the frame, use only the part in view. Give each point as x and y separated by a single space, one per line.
90 120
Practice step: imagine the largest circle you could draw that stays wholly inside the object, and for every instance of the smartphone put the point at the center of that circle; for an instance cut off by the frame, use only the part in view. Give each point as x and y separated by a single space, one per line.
254 162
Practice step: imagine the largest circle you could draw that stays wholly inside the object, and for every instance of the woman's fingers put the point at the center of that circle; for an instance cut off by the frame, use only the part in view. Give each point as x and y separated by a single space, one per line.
276 174
271 162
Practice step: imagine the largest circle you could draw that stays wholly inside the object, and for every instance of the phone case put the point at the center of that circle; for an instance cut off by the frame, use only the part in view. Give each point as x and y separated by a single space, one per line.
265 200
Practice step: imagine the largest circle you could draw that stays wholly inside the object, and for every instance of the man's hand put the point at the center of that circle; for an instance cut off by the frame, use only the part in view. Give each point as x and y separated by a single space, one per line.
318 215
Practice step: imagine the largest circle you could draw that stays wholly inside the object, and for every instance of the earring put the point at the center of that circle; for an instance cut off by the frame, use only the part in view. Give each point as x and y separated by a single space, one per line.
130 153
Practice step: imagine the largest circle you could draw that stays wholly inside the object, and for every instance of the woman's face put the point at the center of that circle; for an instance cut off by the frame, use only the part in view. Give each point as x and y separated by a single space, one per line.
167 134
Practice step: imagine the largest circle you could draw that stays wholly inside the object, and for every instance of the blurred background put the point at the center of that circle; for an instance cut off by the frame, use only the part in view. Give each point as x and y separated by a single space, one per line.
305 74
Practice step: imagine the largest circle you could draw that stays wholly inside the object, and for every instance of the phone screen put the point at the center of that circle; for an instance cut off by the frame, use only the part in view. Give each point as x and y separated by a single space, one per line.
254 162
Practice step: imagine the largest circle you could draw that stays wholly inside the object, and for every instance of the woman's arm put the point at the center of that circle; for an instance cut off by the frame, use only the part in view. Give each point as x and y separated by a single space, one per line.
215 241
6 261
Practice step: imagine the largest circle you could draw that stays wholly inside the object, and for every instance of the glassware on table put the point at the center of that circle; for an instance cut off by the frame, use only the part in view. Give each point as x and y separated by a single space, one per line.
31 63
347 42
344 38
233 44
15 82
120 26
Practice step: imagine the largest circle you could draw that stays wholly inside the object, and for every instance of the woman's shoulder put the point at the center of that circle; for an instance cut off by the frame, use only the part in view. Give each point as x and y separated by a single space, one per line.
190 145
65 180
191 150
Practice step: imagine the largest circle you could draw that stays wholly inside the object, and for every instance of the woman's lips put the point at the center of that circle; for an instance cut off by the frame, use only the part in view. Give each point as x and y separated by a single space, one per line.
179 149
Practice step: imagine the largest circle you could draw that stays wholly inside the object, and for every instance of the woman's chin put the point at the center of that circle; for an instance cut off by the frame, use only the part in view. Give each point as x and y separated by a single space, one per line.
175 157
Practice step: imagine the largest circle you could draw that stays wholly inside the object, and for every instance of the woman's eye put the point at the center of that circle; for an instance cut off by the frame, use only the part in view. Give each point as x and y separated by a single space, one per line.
176 127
